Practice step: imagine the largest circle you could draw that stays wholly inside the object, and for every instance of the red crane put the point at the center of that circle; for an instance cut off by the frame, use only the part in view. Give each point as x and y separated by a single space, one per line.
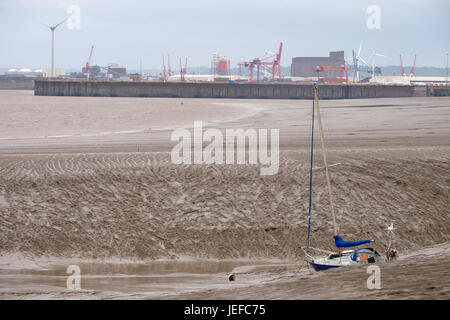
88 63
341 67
413 68
277 62
262 65
401 67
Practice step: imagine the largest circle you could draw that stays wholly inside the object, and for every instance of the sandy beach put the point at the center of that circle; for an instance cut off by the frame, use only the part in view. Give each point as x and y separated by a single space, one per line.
90 181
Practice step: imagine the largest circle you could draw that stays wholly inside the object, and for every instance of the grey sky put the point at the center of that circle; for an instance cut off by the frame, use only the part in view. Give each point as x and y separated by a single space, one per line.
125 31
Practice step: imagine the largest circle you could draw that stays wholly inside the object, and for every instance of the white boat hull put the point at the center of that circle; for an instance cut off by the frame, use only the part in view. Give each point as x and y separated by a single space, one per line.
346 258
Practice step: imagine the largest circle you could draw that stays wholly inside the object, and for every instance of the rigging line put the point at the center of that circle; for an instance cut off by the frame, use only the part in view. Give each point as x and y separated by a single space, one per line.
310 174
331 165
316 98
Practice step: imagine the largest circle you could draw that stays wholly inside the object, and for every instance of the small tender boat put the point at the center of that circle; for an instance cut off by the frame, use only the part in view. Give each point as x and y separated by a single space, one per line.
352 257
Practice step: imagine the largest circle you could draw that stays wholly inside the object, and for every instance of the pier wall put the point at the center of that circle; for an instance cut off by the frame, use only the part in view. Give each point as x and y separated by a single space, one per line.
221 90
439 91
16 83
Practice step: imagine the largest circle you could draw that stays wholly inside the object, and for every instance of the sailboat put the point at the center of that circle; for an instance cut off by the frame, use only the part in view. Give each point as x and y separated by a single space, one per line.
350 257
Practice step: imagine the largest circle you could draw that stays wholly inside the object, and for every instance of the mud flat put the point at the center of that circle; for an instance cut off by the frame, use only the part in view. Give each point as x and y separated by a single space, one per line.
423 274
34 124
24 115
140 207
117 207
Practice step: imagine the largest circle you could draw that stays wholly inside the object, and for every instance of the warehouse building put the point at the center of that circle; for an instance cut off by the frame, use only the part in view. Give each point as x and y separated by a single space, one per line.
303 66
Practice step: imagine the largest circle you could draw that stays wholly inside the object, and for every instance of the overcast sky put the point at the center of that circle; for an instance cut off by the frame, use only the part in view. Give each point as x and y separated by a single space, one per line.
125 31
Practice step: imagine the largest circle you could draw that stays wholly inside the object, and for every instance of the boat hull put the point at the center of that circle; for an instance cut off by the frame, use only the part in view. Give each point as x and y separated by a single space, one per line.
322 267
346 258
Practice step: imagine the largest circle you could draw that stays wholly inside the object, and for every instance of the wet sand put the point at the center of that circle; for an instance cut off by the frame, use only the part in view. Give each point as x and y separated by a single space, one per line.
117 198
422 274
358 123
25 116
143 280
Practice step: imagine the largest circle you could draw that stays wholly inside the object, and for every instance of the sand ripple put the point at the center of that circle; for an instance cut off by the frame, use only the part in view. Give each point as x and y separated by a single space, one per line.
139 205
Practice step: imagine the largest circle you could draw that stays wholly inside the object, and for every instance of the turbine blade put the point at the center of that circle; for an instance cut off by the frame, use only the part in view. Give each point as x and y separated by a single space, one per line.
360 46
56 26
363 61
45 25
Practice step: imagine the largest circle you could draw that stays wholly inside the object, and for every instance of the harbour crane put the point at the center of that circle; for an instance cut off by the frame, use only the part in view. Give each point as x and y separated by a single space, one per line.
413 68
264 66
183 70
88 63
401 67
169 71
164 73
340 66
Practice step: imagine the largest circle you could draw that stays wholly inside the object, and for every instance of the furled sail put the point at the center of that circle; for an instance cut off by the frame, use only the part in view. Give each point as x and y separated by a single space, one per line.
342 243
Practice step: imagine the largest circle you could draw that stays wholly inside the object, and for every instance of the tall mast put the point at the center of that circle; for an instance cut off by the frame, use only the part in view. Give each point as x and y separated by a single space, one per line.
310 174
52 69
324 152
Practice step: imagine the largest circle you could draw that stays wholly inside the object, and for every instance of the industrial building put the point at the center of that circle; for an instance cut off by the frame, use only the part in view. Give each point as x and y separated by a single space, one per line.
93 71
220 65
24 72
117 71
304 66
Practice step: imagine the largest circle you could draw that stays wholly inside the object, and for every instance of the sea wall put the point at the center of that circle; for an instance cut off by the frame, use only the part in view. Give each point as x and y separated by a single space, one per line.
439 91
16 83
220 90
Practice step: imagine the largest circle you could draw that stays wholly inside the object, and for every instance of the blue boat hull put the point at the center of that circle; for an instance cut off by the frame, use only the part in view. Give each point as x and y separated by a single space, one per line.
321 267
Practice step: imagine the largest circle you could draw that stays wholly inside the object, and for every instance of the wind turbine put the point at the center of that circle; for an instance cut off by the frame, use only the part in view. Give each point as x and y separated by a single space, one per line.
52 29
356 59
374 54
